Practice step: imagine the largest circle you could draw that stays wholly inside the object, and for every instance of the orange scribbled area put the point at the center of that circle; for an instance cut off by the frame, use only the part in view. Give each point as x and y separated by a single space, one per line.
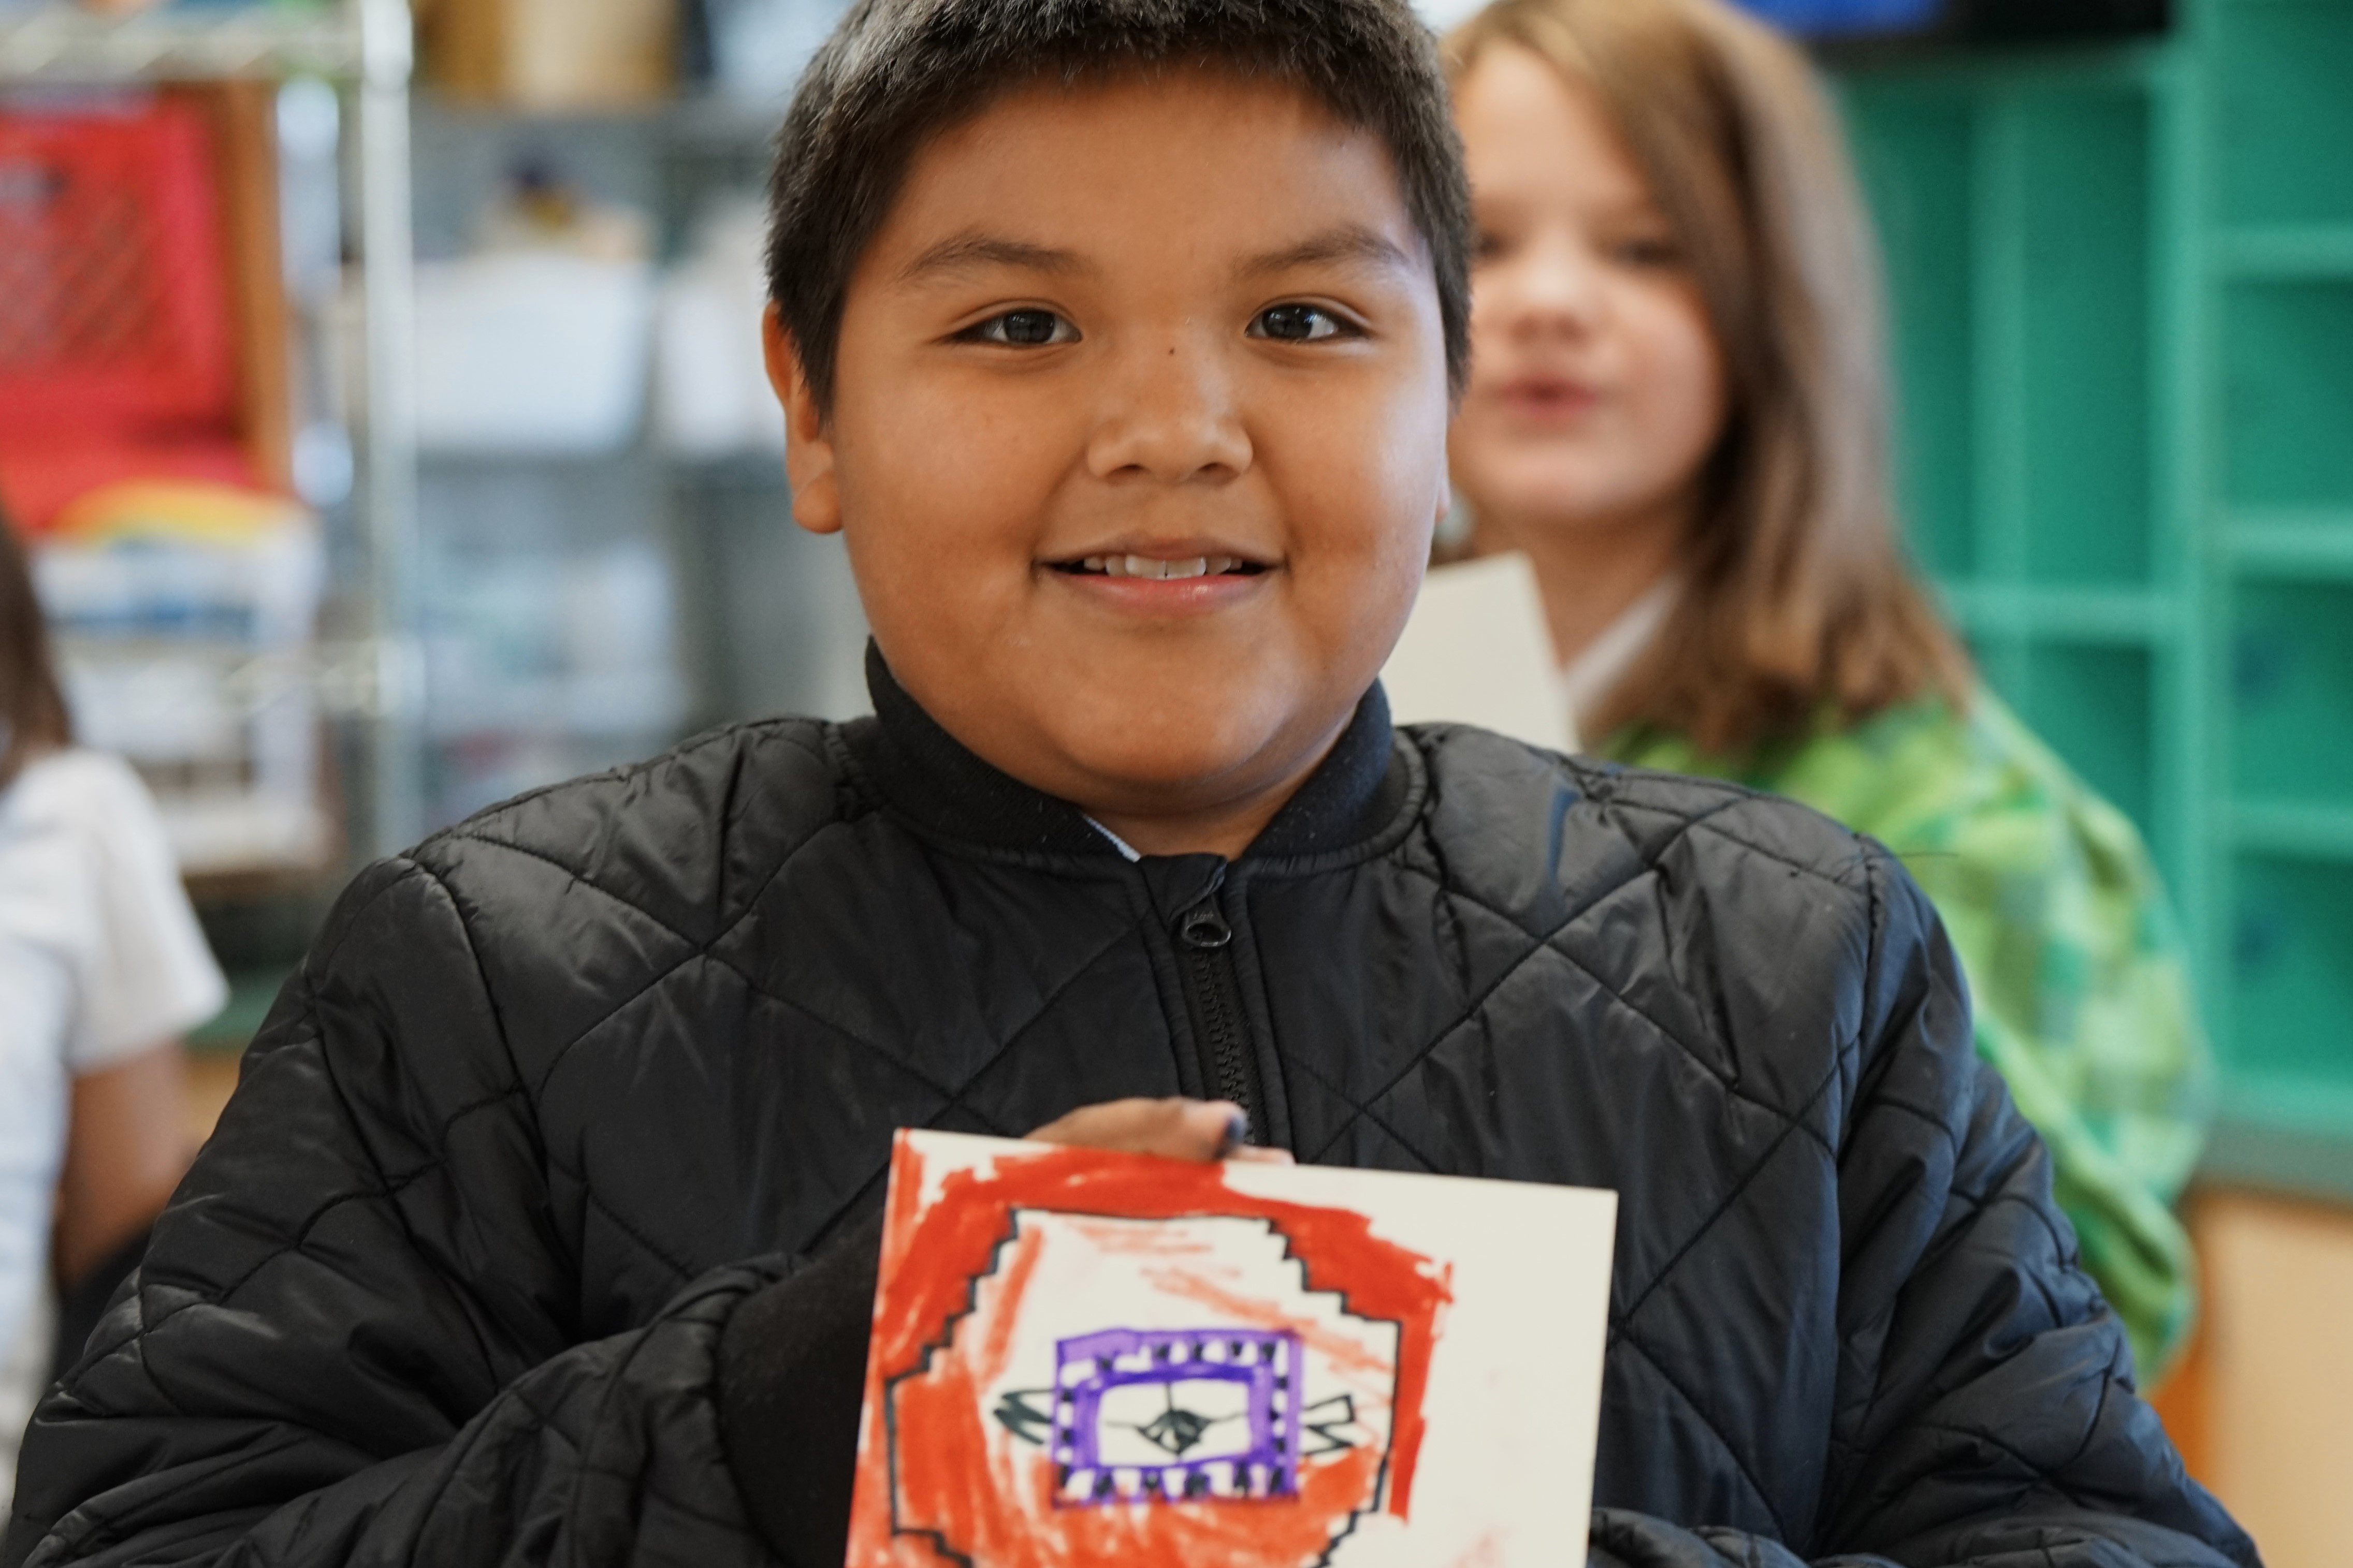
990 1502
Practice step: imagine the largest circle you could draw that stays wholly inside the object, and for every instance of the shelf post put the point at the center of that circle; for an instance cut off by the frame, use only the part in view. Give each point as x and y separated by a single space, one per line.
387 250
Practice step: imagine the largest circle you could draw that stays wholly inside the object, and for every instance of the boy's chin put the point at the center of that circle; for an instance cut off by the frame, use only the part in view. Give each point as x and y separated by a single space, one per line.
1183 752
1175 731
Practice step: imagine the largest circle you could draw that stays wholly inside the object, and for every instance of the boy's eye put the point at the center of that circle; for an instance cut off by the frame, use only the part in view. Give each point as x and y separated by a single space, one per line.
1297 325
1024 329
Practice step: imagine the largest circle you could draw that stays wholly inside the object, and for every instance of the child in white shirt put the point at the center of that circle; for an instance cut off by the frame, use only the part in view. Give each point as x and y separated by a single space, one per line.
103 968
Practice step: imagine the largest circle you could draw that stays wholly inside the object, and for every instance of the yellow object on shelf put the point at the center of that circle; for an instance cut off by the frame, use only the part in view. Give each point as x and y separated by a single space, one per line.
212 514
553 54
185 615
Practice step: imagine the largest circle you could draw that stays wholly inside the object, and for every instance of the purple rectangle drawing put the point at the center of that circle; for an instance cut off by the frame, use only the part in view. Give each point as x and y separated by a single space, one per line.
1191 1414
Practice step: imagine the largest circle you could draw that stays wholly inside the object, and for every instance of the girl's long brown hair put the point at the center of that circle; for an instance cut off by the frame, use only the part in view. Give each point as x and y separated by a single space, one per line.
33 716
1798 603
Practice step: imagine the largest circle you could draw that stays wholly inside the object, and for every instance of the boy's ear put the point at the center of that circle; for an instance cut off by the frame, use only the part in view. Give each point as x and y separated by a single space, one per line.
808 442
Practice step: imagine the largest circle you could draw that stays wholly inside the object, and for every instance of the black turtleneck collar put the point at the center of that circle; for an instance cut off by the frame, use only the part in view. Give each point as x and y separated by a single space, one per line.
928 774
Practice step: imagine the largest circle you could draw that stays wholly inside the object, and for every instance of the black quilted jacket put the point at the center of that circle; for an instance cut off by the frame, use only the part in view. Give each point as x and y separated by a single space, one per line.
563 1087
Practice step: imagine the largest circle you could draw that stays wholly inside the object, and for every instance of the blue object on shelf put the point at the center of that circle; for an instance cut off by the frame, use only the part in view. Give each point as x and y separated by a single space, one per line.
1831 16
1965 22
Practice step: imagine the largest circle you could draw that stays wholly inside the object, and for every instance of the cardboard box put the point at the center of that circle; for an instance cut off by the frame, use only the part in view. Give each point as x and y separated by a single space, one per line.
553 54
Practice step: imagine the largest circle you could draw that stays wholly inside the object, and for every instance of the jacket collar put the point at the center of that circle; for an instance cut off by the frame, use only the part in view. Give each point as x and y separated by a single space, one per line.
928 774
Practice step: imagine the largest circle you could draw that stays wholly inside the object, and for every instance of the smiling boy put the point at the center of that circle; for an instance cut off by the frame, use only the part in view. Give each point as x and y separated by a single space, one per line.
1134 421
1116 337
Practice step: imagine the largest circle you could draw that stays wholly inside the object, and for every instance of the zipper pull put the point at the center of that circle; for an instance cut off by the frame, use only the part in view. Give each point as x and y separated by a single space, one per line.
1203 929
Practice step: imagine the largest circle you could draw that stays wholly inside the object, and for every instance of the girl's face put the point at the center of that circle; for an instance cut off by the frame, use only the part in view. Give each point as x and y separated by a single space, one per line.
1596 389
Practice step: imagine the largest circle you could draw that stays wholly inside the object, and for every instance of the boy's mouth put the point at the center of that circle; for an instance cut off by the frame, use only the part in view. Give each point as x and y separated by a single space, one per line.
1154 567
1181 578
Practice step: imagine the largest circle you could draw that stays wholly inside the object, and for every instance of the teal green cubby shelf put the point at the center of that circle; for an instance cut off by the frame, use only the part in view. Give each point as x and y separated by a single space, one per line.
2121 292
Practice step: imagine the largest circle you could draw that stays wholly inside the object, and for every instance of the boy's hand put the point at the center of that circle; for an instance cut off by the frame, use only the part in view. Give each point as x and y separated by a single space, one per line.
1172 1129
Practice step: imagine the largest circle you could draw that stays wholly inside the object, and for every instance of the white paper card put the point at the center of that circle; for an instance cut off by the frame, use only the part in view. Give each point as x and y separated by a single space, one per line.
1477 651
1083 1357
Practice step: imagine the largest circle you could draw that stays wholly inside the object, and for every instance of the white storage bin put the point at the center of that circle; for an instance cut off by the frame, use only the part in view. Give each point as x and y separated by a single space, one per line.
532 353
712 393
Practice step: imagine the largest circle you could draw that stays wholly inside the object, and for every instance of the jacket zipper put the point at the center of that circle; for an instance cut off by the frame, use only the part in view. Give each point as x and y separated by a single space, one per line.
1215 989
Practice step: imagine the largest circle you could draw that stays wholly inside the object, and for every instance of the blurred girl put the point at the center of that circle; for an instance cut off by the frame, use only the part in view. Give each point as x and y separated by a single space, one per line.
102 970
1678 410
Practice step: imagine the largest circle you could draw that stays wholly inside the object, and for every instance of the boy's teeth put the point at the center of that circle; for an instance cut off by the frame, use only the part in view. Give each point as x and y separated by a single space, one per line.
1145 566
1157 570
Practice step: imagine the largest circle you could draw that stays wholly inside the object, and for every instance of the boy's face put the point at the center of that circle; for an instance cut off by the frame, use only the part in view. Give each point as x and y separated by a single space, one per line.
1138 438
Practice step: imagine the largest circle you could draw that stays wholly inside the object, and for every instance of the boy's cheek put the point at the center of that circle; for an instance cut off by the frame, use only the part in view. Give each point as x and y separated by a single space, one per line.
1369 484
1355 605
978 458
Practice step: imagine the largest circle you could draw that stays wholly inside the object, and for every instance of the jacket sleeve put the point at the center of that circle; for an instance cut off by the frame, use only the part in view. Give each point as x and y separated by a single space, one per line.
1987 1416
353 1340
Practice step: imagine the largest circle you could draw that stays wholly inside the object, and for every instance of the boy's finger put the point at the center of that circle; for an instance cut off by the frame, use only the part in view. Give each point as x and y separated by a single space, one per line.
1172 1129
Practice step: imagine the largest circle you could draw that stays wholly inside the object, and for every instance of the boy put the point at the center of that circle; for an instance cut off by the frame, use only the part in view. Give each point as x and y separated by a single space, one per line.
1116 337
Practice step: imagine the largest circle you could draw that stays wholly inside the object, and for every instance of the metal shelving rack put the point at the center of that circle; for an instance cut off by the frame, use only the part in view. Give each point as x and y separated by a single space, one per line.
365 49
66 44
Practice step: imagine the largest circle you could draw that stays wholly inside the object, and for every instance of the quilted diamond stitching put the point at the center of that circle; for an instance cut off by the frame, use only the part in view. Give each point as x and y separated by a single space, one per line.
795 736
297 1243
1413 1063
2040 1475
1551 939
1859 861
792 1004
1549 946
1732 1196
594 885
595 1200
1791 1122
954 1098
704 950
950 1098
1357 1112
751 903
1622 1333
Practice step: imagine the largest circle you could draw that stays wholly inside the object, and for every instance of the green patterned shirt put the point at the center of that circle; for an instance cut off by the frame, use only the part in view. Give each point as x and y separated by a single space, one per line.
2075 966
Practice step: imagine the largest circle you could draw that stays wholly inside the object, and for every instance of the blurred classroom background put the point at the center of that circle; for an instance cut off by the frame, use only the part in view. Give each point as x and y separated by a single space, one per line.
382 393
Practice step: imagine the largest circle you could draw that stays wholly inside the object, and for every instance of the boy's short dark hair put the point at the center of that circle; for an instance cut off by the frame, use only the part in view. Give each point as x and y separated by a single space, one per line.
897 73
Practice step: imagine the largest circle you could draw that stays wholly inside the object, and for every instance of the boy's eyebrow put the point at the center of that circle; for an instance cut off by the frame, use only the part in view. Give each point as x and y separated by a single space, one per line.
974 249
1345 242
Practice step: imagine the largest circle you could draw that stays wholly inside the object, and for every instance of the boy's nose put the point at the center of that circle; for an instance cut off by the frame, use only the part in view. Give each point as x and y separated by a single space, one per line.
1170 415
